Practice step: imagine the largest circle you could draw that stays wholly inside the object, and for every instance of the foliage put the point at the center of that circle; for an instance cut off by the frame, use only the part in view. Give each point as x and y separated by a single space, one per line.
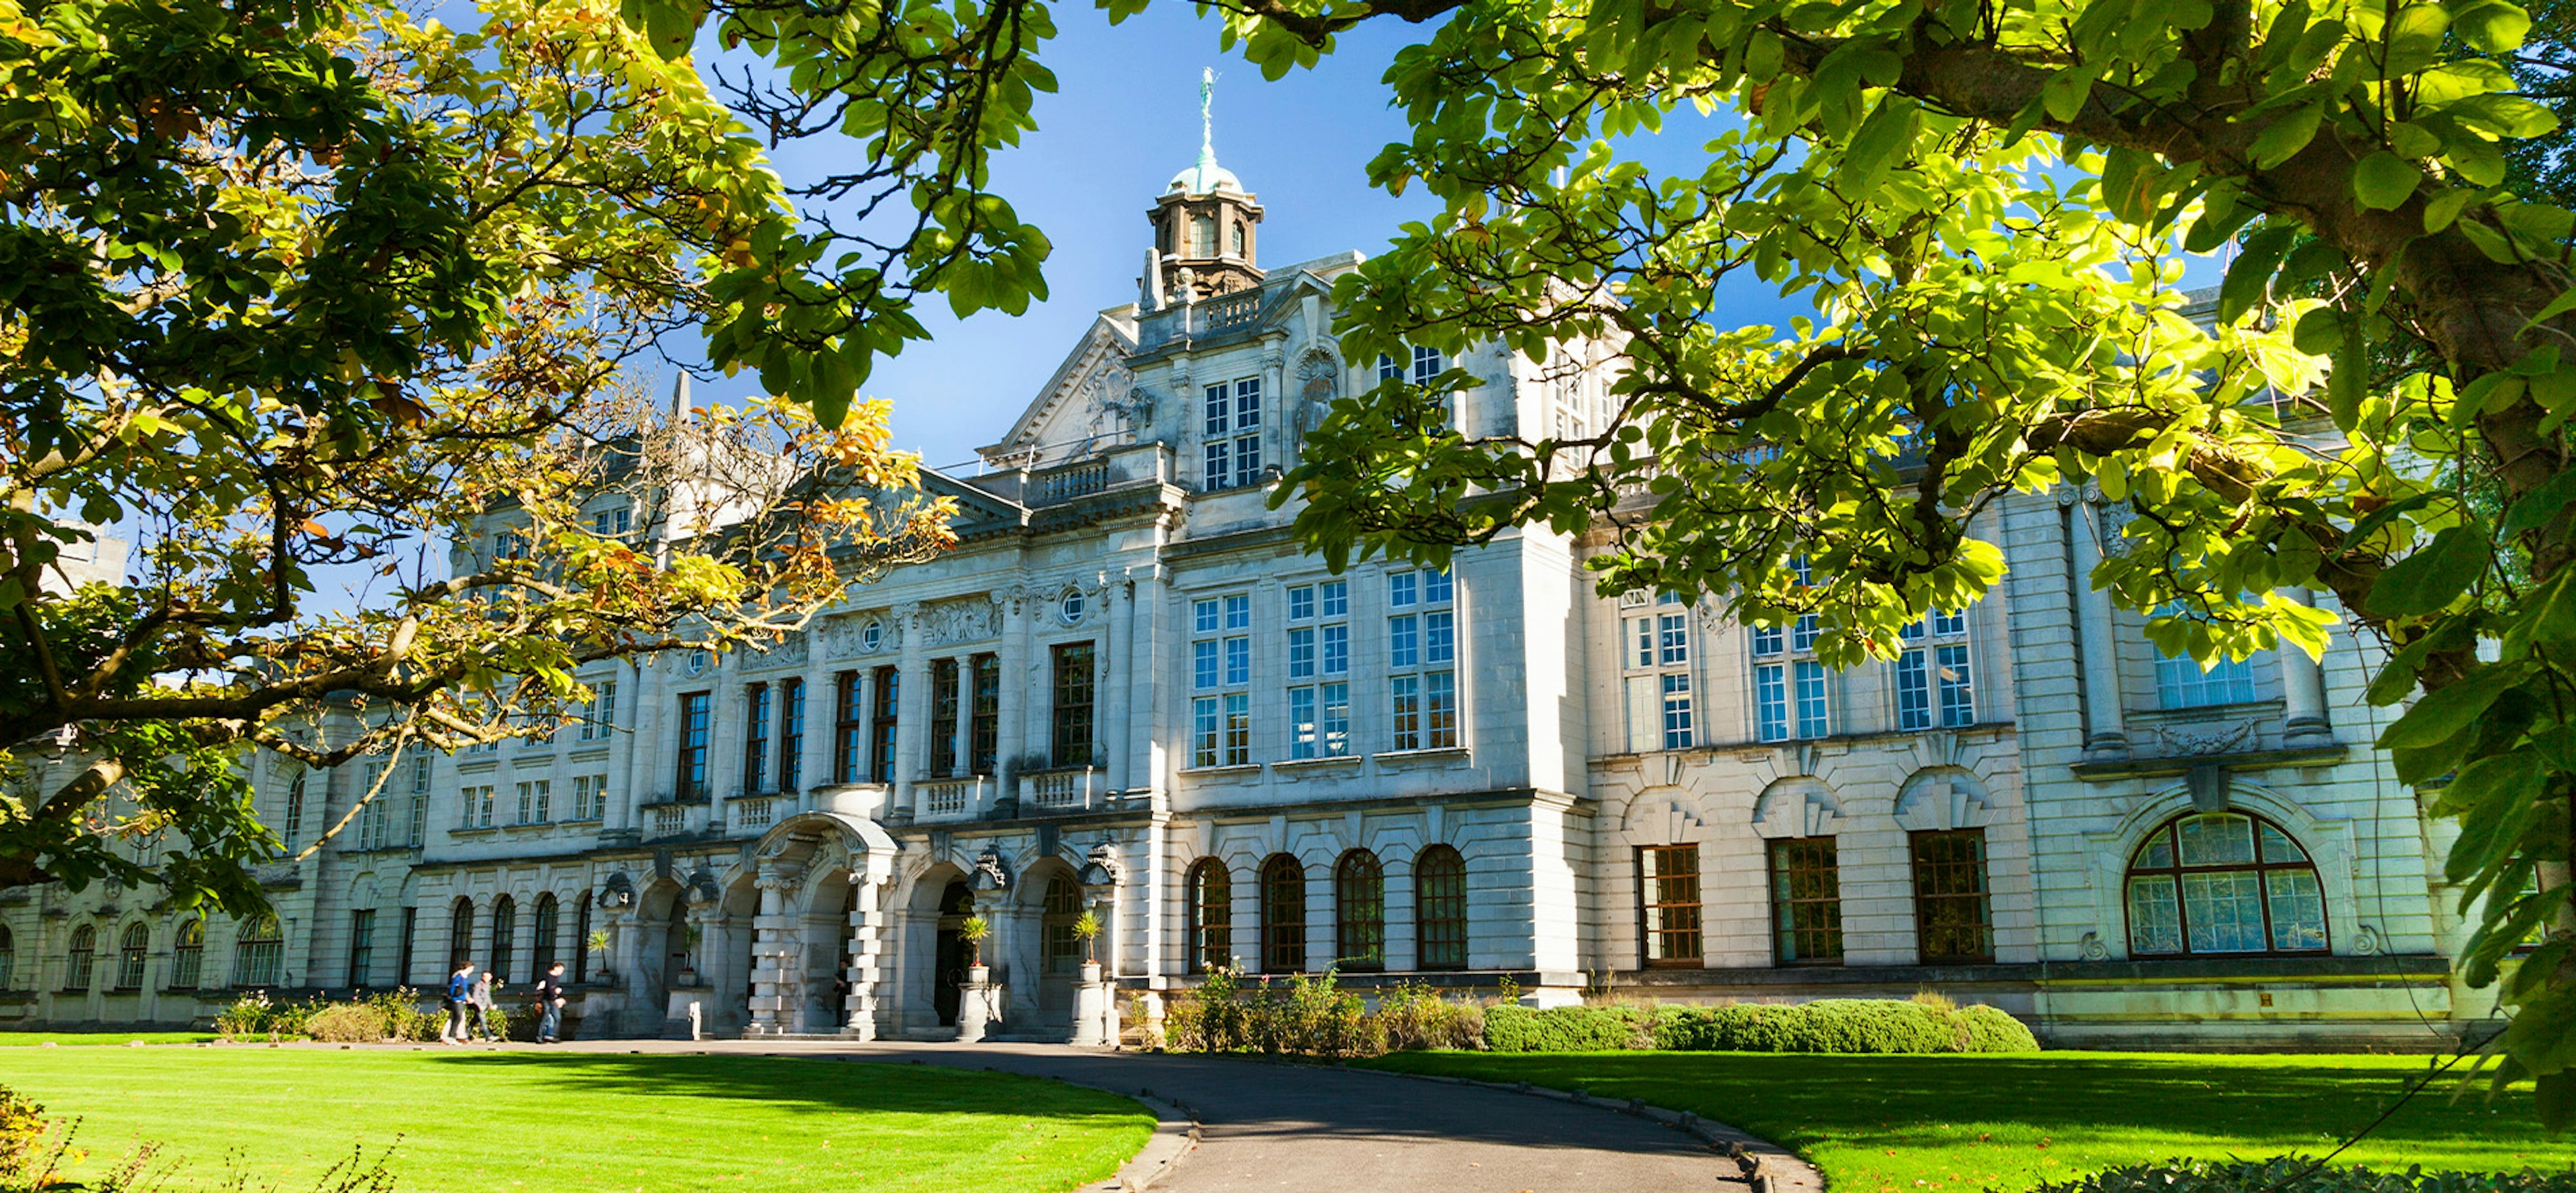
1839 1025
2300 1174
23 1130
682 1122
293 291
1086 929
348 1022
1311 1015
389 1015
1568 1029
1901 1124
973 930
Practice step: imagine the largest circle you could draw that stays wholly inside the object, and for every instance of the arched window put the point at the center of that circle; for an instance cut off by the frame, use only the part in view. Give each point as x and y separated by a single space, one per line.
1055 923
1202 236
259 953
1238 238
2224 882
8 955
581 940
188 954
1440 908
1283 915
1359 912
131 949
83 952
460 935
541 957
505 928
1211 916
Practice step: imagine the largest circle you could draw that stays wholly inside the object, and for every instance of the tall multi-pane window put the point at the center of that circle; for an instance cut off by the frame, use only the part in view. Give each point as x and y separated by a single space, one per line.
1283 915
505 932
292 822
589 797
1933 683
849 730
187 956
373 817
1221 678
2181 682
1422 654
80 960
1319 667
1806 902
984 714
2223 882
541 953
943 716
1231 432
599 713
696 728
131 951
791 734
1063 907
888 683
1655 654
362 947
1953 919
403 946
755 739
1439 909
1788 680
1359 912
613 523
259 953
536 802
1211 916
416 830
1668 898
580 938
460 934
1073 686
480 804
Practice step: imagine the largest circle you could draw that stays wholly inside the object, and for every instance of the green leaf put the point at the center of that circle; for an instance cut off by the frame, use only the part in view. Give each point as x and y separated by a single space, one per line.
2318 332
2434 575
2287 135
1876 145
2245 281
2383 180
2441 715
2441 209
2493 28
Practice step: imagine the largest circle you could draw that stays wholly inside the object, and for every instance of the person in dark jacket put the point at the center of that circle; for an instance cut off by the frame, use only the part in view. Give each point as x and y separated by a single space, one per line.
460 988
479 998
550 1003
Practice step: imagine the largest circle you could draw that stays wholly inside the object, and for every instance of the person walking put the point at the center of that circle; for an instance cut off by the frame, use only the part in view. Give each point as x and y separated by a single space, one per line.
460 989
479 997
550 1003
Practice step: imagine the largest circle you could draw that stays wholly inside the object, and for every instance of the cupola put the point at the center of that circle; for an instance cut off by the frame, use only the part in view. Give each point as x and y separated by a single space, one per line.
1206 226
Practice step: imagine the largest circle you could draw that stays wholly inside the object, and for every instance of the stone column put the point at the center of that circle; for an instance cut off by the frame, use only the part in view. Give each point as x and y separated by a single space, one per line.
814 762
870 929
1148 700
965 726
2304 725
1115 629
1022 696
1274 386
774 977
2105 739
910 696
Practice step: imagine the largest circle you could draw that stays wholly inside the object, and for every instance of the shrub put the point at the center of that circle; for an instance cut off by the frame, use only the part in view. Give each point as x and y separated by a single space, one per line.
348 1023
1837 1025
1314 1016
1568 1029
247 1017
1415 1017
2292 1174
405 1016
22 1131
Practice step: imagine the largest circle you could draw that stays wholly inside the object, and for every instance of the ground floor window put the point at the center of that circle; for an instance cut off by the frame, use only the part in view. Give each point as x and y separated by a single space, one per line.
1211 916
362 947
188 955
1440 909
1953 919
259 954
2224 882
1359 901
1668 887
1806 902
1283 915
81 958
131 949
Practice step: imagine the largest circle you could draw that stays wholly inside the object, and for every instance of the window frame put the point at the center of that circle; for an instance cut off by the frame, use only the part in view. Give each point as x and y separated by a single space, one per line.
133 953
1073 688
2171 830
1283 935
885 722
1659 907
1422 690
697 731
1440 916
1359 912
1208 915
1784 869
1927 901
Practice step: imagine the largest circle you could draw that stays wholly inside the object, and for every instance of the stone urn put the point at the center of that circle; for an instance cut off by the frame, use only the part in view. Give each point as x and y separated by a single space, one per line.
1090 1008
974 1004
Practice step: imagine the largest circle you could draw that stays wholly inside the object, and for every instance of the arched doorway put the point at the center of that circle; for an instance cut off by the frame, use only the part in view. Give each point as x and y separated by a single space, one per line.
956 902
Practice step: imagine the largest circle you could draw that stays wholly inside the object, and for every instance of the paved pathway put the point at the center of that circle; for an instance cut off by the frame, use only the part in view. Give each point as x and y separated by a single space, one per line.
1323 1130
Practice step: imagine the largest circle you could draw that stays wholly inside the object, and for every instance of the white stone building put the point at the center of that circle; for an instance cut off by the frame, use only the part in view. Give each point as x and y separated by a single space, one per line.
1127 689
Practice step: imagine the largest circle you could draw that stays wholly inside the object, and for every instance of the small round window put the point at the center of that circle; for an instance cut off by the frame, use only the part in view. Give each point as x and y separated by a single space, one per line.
1072 606
871 637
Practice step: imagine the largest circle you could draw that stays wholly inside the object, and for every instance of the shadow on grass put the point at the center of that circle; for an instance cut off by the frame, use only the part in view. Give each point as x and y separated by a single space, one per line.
805 1085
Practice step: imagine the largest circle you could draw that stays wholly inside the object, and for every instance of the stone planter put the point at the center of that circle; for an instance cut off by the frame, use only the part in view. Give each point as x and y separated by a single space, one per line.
1090 1008
974 1004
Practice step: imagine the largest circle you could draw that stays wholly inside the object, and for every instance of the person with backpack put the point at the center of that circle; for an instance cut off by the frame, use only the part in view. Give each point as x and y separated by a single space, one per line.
460 987
550 1003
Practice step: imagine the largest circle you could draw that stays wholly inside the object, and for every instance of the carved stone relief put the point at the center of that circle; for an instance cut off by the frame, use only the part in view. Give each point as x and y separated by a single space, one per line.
960 621
2194 740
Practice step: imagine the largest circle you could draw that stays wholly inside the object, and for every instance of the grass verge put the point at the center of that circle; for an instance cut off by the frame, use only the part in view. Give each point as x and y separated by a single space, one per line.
500 1121
31 1039
1948 1124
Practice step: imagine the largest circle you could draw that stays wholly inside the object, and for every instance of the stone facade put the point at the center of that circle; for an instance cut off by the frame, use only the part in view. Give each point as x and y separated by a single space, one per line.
1127 682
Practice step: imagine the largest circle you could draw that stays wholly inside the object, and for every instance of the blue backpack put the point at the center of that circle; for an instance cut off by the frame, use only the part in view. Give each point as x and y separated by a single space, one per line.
456 988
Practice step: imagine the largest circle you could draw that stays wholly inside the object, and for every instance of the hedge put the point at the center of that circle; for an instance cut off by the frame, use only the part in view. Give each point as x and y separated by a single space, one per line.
1849 1025
2297 1174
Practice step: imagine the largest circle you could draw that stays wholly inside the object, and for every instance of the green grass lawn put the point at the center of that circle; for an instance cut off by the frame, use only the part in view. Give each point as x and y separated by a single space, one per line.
24 1039
497 1122
1957 1124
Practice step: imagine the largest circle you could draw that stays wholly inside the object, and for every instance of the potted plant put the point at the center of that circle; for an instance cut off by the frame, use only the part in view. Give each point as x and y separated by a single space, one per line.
1087 930
973 931
1090 998
598 945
